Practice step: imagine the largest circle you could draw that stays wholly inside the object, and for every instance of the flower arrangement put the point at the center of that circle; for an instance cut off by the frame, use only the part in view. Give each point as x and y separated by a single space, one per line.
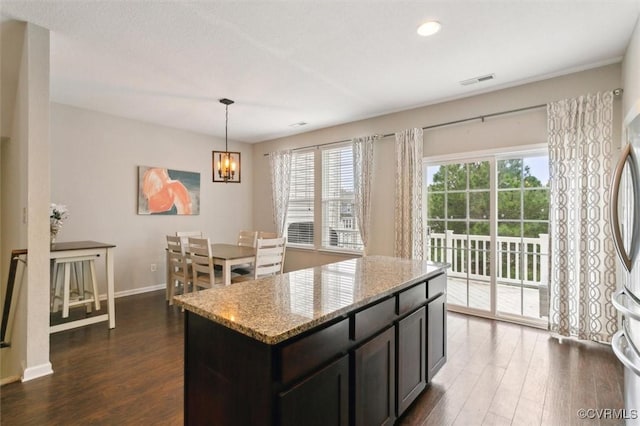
57 215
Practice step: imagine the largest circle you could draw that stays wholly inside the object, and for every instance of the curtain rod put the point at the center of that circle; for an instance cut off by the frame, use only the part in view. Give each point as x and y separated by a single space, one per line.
616 92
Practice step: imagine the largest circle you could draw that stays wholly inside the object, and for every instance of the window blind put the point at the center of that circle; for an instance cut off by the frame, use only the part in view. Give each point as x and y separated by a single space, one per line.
300 215
339 224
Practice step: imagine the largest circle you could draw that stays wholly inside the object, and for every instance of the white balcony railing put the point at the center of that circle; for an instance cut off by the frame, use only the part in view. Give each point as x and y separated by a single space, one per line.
519 260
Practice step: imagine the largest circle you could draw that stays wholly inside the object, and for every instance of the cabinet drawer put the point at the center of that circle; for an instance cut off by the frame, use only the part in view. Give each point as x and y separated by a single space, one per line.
372 319
412 298
436 286
308 353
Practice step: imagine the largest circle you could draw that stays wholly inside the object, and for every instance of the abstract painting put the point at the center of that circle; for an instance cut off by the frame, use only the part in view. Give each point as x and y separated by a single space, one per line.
168 191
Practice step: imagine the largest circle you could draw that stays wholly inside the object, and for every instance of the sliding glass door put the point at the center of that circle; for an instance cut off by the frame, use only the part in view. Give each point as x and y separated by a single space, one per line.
523 237
458 226
488 218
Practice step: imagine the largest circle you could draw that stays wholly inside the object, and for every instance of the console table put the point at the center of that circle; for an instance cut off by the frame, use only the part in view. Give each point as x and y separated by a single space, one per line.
81 250
67 250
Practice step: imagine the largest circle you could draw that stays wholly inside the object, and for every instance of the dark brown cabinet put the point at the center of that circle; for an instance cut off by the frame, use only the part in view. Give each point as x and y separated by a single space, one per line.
436 335
411 358
374 380
322 399
363 368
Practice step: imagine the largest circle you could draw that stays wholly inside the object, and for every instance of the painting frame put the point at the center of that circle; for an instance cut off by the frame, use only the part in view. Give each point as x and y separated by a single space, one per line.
165 191
215 156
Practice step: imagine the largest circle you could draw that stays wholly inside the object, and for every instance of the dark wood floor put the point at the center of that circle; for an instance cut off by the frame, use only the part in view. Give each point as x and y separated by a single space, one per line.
497 374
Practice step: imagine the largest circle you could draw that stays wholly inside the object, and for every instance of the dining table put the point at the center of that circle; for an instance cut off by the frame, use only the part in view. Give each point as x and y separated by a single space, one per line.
229 255
226 256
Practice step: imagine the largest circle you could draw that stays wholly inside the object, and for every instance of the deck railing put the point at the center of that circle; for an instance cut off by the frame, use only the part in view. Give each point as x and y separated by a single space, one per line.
519 260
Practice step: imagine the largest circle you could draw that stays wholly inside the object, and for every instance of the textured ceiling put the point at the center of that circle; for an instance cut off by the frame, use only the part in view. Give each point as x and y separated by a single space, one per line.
318 61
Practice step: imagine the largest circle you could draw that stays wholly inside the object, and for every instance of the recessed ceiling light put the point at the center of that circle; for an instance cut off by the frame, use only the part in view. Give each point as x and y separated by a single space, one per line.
429 28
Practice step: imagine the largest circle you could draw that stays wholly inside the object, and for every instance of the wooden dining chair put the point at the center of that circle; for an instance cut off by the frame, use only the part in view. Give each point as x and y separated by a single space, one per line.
178 266
247 238
270 254
204 272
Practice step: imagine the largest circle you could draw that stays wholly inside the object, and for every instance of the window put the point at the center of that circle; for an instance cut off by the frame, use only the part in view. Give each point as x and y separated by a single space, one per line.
300 214
339 226
334 216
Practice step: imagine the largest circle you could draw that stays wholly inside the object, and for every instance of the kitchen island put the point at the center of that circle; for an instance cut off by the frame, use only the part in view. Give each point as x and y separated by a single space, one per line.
352 342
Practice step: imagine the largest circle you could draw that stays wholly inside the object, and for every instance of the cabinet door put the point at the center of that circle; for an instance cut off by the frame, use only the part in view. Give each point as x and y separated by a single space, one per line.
411 355
436 335
374 384
321 399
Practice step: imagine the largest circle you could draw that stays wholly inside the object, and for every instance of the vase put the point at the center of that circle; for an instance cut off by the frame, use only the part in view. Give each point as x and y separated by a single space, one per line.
53 232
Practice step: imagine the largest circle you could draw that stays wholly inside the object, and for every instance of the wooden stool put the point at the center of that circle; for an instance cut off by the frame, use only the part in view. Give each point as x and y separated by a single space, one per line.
80 291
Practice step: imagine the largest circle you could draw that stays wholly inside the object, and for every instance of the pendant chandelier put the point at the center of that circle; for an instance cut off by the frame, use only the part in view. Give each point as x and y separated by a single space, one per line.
226 164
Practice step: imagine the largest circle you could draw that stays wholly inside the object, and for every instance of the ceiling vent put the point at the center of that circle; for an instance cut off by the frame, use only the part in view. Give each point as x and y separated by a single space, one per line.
298 124
478 79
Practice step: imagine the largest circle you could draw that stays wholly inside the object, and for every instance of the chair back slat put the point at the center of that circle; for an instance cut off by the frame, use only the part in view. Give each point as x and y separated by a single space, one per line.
178 267
174 244
177 262
175 249
184 237
247 238
268 270
195 234
201 262
270 254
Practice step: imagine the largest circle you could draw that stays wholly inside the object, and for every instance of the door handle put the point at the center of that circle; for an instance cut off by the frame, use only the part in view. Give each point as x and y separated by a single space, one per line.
628 157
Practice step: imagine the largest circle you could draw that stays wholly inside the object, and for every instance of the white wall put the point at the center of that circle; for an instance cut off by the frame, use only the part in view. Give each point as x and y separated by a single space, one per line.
25 197
524 128
94 172
14 190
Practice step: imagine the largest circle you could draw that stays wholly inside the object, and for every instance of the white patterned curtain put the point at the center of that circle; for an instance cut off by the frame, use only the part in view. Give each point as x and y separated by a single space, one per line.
362 178
582 258
280 163
409 226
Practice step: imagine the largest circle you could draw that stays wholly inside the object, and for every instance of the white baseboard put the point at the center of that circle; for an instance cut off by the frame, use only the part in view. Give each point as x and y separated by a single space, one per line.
131 292
37 371
138 290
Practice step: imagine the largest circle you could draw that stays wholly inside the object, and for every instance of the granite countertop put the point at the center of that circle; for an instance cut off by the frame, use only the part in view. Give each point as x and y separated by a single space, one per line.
273 309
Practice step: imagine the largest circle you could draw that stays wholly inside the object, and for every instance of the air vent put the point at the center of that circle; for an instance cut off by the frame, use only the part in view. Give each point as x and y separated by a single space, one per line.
298 124
478 79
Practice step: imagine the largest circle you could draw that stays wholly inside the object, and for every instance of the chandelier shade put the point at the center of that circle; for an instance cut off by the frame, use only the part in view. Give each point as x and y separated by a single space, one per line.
226 164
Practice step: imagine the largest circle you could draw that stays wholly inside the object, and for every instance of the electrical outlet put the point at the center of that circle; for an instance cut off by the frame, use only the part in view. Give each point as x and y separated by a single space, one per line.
154 267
